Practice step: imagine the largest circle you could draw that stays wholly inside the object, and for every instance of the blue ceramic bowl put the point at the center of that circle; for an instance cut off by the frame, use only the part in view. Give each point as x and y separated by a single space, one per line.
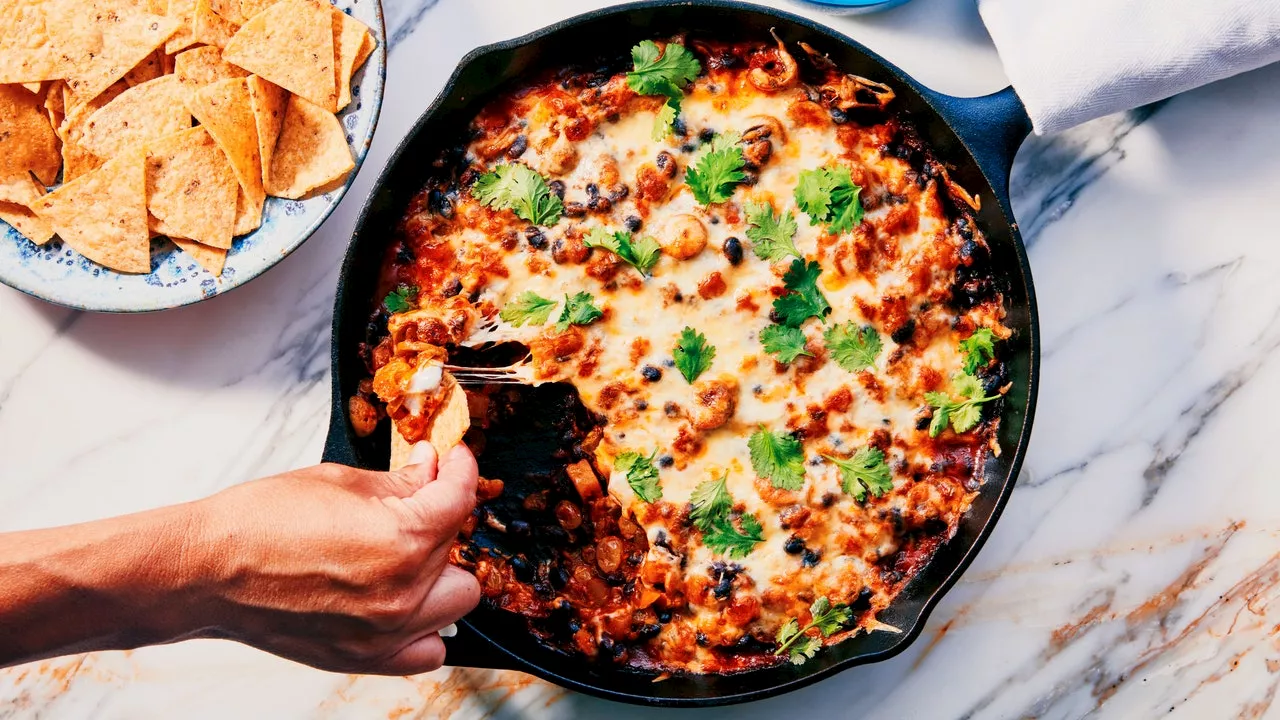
850 7
58 274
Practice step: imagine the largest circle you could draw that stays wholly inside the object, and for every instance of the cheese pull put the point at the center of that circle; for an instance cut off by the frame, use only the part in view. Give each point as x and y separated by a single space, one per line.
447 423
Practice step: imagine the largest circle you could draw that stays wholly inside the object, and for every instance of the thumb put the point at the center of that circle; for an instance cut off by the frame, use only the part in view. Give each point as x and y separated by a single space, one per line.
444 503
420 470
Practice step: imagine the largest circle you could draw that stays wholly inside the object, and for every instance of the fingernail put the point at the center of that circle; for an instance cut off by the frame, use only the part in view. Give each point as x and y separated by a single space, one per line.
449 630
421 453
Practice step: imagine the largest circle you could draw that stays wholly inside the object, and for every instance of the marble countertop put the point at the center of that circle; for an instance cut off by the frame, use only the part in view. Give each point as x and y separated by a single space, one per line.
1131 574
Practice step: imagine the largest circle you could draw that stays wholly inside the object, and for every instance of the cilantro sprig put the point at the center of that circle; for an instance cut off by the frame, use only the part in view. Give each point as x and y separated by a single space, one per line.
710 512
804 300
864 471
530 308
853 348
404 297
520 189
777 457
771 234
717 170
827 618
693 355
979 349
828 196
641 474
640 254
962 406
659 71
579 309
784 343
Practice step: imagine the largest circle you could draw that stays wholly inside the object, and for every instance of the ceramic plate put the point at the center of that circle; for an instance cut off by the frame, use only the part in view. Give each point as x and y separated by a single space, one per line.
58 274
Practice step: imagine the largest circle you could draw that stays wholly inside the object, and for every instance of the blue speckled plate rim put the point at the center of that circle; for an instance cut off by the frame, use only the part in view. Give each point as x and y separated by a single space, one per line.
378 63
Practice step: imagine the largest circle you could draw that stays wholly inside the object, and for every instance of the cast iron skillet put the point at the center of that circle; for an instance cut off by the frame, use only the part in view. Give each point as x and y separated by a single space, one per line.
976 138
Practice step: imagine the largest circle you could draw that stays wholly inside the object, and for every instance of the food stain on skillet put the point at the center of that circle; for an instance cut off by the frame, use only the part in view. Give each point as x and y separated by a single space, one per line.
898 325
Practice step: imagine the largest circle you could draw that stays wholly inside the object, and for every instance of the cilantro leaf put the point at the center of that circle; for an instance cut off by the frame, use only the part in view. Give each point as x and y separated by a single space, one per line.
784 343
404 297
692 354
662 71
865 470
828 619
530 307
641 474
771 235
710 500
805 299
724 537
717 170
962 407
778 457
641 254
522 190
828 196
979 349
853 349
578 310
665 120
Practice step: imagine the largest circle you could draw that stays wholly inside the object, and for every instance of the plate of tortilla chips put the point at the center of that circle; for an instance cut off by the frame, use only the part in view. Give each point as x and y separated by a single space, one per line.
155 153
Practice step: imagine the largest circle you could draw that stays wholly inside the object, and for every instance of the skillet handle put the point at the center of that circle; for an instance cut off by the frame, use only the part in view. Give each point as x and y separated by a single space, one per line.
992 127
469 649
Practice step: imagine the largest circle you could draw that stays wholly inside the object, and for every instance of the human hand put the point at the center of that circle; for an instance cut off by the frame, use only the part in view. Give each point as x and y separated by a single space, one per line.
342 569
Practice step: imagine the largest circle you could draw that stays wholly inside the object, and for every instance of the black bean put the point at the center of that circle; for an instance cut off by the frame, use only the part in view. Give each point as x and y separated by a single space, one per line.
794 545
863 601
404 253
537 239
633 223
593 191
706 135
651 373
440 204
521 568
904 333
733 250
559 578
810 558
574 209
642 405
688 148
518 147
664 616
520 528
557 187
839 116
679 127
666 461
648 632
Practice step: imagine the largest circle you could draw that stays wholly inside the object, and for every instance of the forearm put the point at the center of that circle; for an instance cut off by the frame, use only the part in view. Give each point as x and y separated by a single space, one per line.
110 584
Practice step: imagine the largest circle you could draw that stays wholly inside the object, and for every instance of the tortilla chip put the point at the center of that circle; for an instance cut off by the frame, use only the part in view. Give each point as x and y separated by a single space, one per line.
27 139
191 189
223 108
168 63
17 195
445 429
290 44
249 8
311 152
151 110
200 66
20 190
77 161
210 27
103 215
211 259
32 87
400 449
228 10
184 12
45 40
151 67
268 102
53 99
348 38
158 7
126 41
366 49
451 420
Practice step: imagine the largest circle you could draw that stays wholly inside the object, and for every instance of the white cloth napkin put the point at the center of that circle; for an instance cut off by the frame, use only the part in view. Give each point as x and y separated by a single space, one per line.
1075 60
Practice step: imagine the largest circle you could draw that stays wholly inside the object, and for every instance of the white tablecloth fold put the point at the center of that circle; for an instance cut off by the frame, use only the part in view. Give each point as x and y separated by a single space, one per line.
1075 60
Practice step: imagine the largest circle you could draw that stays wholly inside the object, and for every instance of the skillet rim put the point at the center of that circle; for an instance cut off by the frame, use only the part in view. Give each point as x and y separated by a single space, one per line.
953 113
